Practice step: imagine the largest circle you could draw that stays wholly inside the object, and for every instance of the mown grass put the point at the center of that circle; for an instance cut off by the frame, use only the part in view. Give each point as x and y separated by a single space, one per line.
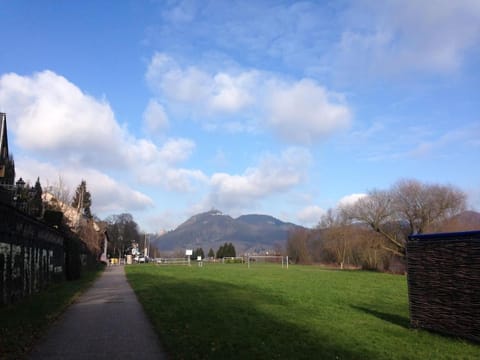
23 323
232 312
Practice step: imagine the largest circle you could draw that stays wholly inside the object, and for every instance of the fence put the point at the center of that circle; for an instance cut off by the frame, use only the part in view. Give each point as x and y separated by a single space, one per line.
444 283
173 261
33 255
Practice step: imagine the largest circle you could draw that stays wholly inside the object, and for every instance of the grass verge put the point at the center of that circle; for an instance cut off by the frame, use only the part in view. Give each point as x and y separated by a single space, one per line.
23 323
229 311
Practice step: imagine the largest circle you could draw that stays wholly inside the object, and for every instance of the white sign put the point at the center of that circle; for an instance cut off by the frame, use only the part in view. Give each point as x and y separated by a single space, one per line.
189 252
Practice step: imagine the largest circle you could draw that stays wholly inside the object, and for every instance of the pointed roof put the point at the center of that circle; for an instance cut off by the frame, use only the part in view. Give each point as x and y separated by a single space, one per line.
7 166
3 138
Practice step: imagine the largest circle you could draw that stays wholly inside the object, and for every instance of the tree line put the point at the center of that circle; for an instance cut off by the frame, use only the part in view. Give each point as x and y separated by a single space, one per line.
225 250
372 232
54 206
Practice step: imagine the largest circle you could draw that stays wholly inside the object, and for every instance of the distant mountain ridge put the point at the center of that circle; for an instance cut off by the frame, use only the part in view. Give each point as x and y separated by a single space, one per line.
465 221
251 233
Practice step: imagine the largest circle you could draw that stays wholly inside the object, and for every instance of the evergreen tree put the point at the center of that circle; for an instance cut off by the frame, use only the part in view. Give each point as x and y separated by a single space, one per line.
226 250
231 250
83 200
36 204
196 253
221 251
211 253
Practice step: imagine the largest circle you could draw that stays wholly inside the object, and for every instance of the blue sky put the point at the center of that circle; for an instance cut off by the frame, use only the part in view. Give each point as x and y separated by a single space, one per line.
170 108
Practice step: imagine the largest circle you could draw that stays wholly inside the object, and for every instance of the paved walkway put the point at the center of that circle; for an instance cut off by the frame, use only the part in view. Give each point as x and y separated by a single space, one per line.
106 322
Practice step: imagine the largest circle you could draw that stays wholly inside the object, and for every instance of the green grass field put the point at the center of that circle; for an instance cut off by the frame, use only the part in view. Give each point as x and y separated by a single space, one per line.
225 311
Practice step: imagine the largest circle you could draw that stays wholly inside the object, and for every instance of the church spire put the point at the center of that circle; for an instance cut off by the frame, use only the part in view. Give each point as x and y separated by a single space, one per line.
7 167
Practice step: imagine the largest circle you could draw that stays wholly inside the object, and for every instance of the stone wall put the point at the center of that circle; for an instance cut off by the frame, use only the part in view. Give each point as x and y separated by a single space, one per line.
444 283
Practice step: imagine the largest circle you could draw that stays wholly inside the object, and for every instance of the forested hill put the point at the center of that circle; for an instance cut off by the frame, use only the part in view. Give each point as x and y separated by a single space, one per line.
248 233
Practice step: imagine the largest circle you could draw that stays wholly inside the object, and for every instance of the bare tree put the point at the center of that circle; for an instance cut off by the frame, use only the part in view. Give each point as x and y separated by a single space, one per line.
465 221
90 234
336 235
422 205
409 207
369 249
377 210
297 247
60 194
123 231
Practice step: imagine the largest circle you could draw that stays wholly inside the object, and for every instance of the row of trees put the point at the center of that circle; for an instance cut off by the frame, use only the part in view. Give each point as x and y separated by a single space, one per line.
372 232
196 253
60 198
56 206
122 229
77 213
29 198
225 250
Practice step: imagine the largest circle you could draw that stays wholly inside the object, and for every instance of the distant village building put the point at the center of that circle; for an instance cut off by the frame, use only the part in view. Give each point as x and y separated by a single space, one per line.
7 166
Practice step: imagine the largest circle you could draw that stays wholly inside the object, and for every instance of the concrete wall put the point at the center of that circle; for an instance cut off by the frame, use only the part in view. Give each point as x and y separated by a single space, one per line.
31 255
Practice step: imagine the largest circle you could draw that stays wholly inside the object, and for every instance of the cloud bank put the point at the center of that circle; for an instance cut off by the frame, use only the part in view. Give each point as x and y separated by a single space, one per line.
300 112
69 133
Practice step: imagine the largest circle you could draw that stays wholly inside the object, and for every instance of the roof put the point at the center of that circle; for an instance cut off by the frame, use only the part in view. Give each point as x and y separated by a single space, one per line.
444 236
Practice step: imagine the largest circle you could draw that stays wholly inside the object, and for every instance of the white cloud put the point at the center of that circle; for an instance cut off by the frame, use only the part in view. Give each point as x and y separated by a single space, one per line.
310 215
300 112
233 93
189 85
159 165
176 150
350 199
164 221
108 195
397 36
51 118
49 114
155 118
304 112
374 37
293 33
182 179
111 196
220 92
273 174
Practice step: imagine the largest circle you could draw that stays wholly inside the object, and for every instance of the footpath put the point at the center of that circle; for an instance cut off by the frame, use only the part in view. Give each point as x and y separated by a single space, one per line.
106 322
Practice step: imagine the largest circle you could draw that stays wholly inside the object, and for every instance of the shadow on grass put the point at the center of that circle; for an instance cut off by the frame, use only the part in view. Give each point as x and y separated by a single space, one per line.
204 319
391 318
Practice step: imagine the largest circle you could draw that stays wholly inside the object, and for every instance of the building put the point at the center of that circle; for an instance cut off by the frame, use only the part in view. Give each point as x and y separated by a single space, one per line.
7 166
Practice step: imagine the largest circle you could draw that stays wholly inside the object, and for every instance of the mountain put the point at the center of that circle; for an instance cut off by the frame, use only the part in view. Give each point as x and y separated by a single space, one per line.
465 221
248 233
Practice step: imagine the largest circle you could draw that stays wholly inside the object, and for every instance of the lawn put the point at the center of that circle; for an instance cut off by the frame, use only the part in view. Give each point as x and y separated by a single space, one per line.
23 323
225 311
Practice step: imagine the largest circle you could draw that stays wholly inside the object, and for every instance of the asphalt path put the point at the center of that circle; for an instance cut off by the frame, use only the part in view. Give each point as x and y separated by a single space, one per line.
106 322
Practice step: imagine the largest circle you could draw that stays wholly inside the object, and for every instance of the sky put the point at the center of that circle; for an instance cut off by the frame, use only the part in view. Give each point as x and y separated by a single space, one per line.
171 108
